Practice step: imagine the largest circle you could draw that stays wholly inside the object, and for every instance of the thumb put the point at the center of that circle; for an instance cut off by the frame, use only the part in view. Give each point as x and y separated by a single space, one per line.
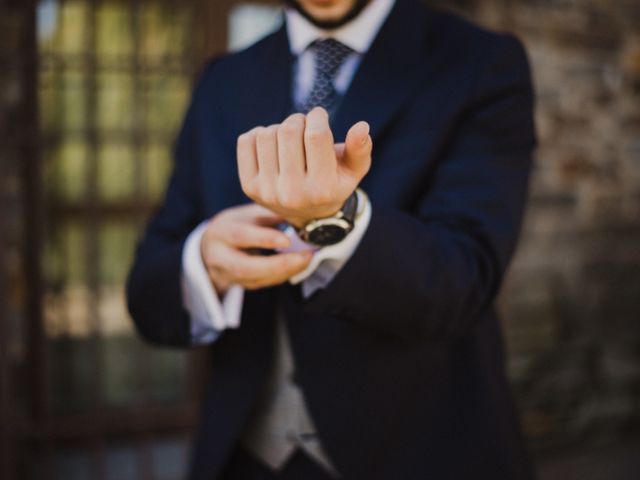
356 156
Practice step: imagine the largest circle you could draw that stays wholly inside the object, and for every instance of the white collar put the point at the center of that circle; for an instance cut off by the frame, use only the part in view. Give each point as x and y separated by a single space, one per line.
358 34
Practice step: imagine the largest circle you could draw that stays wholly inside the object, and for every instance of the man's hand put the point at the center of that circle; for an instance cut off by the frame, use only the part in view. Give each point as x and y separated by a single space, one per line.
226 249
295 170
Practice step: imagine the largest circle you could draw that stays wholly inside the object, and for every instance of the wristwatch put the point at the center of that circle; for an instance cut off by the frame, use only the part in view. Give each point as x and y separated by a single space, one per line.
331 230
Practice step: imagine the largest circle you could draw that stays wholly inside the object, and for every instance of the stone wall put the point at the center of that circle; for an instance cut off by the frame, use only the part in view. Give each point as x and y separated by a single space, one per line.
572 300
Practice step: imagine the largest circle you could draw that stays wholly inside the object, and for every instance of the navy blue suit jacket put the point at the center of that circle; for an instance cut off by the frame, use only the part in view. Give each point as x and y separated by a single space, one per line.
400 357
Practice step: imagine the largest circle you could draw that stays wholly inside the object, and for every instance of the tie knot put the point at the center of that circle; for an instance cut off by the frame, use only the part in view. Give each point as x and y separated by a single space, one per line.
330 54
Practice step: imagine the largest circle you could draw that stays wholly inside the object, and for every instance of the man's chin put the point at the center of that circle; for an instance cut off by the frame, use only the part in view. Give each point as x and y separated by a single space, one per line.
329 23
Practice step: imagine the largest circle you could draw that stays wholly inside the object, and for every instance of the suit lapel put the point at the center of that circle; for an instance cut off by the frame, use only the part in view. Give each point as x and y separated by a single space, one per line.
389 71
268 96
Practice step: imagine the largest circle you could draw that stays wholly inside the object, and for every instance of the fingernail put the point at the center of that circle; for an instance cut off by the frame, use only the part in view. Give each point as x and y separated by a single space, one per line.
367 131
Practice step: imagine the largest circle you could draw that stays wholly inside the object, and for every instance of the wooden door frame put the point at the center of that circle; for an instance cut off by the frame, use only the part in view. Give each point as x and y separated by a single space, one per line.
20 139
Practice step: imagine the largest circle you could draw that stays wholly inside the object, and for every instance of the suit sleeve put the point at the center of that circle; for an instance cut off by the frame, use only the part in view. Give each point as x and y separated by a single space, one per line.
430 273
154 290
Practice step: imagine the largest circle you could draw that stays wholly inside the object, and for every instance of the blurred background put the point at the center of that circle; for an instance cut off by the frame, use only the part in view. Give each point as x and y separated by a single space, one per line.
92 93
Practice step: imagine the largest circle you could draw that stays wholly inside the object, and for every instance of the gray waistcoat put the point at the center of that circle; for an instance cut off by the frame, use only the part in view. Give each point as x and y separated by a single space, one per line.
281 423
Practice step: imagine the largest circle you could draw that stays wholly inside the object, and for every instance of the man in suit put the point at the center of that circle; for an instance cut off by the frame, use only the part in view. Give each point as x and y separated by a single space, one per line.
346 198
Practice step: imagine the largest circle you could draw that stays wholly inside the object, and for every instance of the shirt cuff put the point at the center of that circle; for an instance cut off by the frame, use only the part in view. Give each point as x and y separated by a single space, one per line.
209 316
327 261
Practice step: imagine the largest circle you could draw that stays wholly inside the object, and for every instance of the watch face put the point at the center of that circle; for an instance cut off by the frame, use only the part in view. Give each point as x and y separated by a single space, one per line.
327 234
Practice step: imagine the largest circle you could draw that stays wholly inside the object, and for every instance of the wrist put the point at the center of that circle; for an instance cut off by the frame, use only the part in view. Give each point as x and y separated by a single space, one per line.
330 229
299 222
220 285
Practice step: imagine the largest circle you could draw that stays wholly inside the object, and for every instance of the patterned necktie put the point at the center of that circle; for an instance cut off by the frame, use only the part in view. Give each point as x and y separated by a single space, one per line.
329 56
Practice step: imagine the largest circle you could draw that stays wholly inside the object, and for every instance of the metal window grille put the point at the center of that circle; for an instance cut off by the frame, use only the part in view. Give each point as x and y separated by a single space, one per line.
114 79
88 399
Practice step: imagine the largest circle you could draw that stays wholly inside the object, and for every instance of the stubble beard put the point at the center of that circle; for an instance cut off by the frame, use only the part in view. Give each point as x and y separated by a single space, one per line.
332 24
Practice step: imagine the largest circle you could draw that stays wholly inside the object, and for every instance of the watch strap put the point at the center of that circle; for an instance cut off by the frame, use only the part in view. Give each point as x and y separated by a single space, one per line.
343 220
350 208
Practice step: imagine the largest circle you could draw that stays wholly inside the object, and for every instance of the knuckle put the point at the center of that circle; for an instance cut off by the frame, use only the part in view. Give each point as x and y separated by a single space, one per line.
316 135
249 136
290 200
262 134
267 195
236 271
210 256
212 224
248 185
264 239
245 139
235 236
289 130
297 117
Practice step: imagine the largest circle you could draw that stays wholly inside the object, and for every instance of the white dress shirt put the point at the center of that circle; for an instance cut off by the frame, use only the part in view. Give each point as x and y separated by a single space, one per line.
209 316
